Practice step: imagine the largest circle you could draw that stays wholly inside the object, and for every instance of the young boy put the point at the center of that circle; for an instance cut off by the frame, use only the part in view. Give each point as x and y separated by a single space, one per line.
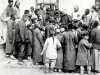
83 56
50 49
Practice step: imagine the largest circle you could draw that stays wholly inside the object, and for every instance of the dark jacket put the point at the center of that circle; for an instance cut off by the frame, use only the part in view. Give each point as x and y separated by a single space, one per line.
83 53
95 38
20 31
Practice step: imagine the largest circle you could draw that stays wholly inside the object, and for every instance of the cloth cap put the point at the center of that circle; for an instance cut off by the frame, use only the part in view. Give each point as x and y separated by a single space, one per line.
57 30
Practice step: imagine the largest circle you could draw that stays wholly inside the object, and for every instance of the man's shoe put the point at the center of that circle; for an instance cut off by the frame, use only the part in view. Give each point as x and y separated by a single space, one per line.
30 59
51 70
7 56
12 57
59 70
46 70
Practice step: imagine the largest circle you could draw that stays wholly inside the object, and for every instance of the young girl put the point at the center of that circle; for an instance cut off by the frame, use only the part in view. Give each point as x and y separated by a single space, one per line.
83 56
50 49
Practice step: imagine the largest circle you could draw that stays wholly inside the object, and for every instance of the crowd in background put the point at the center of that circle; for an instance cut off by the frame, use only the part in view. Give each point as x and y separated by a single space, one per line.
60 41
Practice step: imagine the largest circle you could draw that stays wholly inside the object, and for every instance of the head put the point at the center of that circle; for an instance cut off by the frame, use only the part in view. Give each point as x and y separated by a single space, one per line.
86 35
10 3
13 17
27 12
41 5
93 8
70 26
52 7
64 11
52 32
76 8
52 20
97 8
62 29
96 24
32 9
17 3
57 31
87 11
56 7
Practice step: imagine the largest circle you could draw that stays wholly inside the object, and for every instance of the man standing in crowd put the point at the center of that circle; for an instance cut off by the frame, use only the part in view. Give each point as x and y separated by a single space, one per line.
95 40
52 10
10 37
76 15
69 50
37 44
42 12
21 37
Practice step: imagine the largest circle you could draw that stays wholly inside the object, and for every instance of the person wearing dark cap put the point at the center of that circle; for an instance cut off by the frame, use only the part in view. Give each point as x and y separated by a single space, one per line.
37 44
95 40
21 38
69 40
8 11
83 55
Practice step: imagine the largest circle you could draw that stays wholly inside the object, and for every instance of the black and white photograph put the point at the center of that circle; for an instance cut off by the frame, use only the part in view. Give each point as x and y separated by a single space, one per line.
49 37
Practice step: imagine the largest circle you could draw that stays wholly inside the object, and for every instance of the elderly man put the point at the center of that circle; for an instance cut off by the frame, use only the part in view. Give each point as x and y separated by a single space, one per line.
76 15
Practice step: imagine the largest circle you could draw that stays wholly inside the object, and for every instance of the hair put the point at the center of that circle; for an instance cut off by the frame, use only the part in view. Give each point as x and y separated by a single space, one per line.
16 2
96 23
87 11
51 20
32 7
94 7
70 26
26 11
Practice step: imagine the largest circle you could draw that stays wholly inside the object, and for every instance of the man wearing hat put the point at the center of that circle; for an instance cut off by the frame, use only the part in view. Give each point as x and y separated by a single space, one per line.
21 37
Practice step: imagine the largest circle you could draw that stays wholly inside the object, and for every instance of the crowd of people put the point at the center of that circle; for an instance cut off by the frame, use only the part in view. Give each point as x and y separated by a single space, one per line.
60 41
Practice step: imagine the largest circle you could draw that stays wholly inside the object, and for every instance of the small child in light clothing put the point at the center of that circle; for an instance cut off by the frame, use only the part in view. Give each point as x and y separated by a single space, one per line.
50 49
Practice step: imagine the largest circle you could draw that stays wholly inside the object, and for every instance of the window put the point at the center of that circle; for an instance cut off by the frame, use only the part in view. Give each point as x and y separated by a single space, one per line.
46 2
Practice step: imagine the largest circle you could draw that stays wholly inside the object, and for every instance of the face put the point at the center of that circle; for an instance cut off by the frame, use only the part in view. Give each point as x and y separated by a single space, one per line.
10 4
52 7
87 37
56 7
76 9
18 3
42 6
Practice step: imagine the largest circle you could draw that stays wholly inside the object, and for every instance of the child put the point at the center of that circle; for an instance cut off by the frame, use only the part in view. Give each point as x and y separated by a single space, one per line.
83 56
50 50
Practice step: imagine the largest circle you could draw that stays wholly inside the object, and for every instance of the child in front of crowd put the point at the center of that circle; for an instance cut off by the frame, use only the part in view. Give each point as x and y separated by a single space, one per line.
50 50
83 55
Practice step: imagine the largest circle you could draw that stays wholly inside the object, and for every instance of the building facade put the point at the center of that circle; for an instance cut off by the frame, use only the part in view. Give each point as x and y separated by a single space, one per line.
63 4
